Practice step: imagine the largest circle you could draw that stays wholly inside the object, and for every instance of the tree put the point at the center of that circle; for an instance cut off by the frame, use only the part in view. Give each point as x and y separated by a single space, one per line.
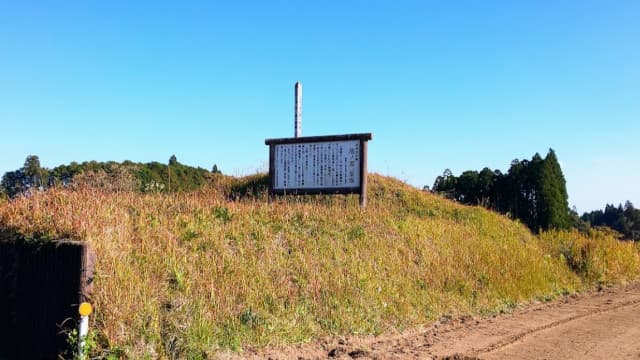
625 220
13 182
466 190
31 175
445 184
34 173
553 203
533 191
632 217
518 192
215 170
172 161
486 180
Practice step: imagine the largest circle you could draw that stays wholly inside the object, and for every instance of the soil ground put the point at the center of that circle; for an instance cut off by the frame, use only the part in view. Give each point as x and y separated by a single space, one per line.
601 324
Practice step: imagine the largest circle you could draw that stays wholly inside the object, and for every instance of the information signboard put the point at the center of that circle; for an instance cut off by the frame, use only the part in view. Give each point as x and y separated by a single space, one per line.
318 164
330 164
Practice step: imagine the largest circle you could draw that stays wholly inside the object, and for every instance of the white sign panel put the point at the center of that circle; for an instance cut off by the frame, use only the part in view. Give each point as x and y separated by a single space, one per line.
317 165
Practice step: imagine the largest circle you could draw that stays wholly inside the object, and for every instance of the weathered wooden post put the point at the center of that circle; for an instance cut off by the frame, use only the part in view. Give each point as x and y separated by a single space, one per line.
41 284
363 173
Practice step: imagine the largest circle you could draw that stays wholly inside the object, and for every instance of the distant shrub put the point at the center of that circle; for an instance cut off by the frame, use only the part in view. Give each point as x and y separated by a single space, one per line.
108 176
598 257
254 186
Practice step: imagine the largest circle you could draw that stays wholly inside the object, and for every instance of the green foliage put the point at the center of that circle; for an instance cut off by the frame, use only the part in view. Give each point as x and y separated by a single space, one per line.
533 191
30 176
183 177
73 339
222 213
111 175
625 220
255 186
35 175
12 183
597 257
553 211
63 174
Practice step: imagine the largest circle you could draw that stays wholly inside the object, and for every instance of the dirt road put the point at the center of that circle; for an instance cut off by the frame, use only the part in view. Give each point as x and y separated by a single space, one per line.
597 325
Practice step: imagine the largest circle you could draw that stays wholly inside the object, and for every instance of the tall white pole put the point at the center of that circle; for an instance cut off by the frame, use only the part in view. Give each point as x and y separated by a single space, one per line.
82 335
85 310
298 110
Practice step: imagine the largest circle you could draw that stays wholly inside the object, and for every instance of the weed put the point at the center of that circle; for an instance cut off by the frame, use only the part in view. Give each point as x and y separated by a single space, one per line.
73 341
188 274
222 213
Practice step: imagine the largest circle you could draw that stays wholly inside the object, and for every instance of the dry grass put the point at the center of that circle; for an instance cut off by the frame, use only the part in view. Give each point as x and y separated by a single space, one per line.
187 275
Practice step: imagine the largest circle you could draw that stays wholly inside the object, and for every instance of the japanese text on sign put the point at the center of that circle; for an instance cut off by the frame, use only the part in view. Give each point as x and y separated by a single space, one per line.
317 165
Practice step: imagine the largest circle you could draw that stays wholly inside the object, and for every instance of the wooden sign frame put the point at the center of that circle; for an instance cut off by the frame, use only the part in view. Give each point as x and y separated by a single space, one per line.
360 189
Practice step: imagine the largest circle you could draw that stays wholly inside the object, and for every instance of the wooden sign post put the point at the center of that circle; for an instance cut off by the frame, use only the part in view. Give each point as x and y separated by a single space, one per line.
333 164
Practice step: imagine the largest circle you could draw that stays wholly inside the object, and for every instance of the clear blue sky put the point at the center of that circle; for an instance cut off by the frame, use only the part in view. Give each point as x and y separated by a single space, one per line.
440 84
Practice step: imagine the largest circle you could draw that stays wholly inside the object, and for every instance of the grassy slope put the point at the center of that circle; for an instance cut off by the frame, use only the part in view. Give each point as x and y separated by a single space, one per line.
184 275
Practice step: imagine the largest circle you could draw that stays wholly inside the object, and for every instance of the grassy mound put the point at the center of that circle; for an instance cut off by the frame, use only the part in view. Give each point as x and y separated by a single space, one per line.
185 275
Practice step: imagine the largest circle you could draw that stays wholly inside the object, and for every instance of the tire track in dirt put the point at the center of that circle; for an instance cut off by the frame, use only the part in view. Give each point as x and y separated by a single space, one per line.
520 336
598 324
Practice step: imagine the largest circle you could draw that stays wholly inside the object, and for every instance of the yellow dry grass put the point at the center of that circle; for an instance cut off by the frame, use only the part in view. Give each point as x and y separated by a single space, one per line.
187 275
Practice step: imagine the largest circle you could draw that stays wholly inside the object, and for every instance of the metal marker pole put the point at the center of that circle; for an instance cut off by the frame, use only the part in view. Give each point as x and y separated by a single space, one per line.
84 310
297 121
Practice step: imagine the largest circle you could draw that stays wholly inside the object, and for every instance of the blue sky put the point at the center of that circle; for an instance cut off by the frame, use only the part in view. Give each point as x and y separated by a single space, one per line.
440 84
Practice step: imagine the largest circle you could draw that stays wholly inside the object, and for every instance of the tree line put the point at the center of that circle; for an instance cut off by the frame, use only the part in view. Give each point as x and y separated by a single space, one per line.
111 175
623 219
533 191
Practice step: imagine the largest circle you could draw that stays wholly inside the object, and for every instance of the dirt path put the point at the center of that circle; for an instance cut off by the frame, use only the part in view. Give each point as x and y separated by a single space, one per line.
596 325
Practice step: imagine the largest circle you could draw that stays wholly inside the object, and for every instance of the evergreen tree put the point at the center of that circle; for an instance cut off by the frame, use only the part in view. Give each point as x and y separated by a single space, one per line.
533 191
33 172
519 191
625 220
445 184
553 199
486 180
13 182
466 190
533 203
